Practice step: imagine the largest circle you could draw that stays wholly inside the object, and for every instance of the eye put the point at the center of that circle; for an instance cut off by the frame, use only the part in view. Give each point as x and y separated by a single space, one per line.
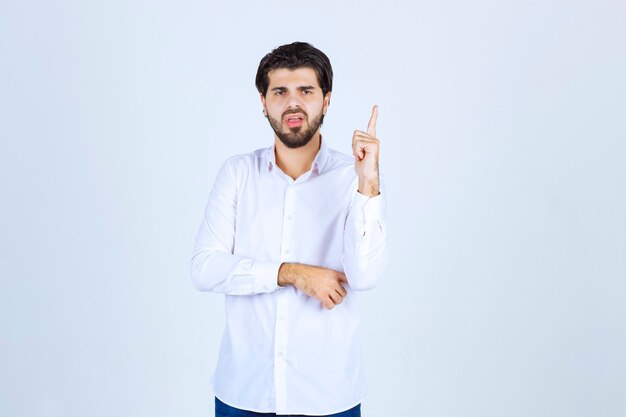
306 92
278 93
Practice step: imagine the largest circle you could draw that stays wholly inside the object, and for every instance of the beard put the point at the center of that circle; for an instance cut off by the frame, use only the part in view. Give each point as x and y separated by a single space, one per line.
296 137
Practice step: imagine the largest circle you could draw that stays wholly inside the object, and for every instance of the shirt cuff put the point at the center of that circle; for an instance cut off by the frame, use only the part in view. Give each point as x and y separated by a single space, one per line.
367 210
265 276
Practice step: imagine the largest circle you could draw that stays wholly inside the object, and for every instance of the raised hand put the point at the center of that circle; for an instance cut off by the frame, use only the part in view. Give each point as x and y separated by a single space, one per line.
365 148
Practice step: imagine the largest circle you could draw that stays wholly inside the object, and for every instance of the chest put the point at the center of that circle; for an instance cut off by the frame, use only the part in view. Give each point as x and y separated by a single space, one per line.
310 215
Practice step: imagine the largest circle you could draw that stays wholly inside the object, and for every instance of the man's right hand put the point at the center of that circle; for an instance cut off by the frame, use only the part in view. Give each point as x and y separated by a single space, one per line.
321 283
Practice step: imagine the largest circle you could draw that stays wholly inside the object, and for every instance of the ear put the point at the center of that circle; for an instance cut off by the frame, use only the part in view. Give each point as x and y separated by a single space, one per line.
263 103
326 102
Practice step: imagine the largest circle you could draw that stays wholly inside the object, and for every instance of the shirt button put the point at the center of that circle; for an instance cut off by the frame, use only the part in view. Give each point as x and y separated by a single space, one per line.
280 354
287 251
282 317
289 217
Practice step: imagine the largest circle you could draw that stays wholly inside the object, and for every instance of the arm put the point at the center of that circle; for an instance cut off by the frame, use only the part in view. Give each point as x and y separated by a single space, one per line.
213 266
321 283
364 255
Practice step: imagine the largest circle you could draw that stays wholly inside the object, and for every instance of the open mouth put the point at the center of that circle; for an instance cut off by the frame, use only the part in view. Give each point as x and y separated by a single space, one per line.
294 120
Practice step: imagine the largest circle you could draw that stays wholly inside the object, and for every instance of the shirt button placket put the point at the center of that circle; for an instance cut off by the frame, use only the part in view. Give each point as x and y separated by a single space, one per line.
281 351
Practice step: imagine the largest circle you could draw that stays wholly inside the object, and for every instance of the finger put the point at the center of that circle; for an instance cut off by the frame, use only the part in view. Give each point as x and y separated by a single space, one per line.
342 291
362 146
361 134
365 140
336 297
371 126
358 153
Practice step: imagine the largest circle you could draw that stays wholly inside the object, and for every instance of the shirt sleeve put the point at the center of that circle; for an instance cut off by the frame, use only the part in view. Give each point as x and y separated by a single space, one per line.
365 255
214 267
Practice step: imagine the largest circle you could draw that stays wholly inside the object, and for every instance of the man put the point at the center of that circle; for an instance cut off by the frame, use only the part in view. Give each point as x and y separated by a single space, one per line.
291 234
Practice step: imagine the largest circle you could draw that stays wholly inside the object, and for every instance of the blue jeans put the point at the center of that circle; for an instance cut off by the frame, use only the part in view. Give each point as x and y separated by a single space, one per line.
225 410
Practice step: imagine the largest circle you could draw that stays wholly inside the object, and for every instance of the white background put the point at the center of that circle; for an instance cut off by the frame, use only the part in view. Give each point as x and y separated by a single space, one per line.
502 128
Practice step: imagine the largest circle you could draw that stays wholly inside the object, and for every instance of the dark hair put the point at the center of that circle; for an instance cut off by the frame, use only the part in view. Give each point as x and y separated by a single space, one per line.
293 56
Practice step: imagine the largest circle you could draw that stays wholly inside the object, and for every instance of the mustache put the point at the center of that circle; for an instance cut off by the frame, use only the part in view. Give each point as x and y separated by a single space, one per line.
296 110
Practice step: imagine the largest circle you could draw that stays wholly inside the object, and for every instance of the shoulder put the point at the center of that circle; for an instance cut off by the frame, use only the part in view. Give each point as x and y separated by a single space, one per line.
339 160
246 161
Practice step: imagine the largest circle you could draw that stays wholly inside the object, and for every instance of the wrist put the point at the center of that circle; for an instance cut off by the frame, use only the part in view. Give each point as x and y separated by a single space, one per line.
286 275
369 186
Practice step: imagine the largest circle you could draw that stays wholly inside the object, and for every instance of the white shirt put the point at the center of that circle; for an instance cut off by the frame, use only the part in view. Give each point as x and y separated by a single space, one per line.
281 350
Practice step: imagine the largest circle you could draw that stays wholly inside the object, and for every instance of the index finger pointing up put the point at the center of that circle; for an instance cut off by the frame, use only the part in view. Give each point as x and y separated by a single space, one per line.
371 126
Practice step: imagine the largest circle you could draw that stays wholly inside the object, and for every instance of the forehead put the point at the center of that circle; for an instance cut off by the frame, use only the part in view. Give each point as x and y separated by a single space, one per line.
282 77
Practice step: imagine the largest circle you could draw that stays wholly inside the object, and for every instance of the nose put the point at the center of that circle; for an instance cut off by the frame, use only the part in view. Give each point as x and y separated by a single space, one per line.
293 102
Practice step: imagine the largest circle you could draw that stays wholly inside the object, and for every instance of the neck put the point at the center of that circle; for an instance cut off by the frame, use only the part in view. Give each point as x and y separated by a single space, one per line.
295 162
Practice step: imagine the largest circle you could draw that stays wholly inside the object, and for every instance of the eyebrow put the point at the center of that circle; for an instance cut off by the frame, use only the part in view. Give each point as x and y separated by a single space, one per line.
301 88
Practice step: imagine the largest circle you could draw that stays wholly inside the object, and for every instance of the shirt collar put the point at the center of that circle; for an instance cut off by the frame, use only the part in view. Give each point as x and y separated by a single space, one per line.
318 163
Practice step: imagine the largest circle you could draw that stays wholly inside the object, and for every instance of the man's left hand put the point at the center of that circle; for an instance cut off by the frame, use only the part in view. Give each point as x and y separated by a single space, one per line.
365 149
